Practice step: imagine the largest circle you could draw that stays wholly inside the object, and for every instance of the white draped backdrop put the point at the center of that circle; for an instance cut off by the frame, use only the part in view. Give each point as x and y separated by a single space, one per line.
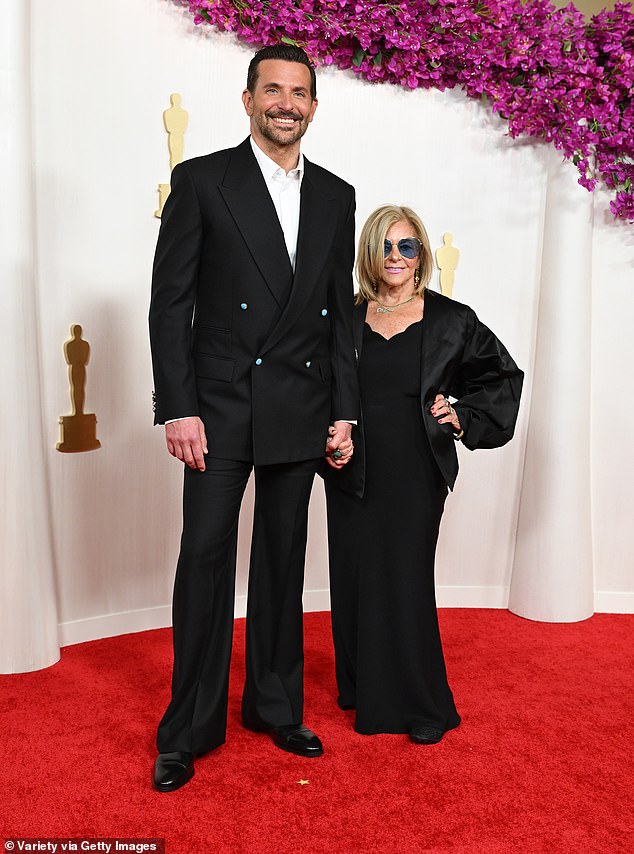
89 541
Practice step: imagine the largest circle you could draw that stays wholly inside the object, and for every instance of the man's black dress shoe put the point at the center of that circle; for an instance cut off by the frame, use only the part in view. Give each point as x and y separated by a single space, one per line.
294 738
426 735
172 770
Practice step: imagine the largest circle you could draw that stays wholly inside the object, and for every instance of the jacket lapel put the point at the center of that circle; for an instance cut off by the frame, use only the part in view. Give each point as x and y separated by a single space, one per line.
317 224
249 201
438 351
438 347
358 320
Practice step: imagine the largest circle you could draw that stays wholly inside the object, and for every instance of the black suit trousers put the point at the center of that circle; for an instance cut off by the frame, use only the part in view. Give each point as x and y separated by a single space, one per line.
203 604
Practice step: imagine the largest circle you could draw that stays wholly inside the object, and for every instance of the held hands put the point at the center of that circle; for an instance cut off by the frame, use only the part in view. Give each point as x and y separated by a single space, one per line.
339 447
187 442
445 413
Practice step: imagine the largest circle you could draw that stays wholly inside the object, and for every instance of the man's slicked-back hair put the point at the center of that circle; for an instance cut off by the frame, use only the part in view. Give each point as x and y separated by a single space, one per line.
286 52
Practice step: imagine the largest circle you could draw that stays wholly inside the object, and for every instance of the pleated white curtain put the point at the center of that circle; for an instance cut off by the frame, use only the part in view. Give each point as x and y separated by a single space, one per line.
552 577
28 610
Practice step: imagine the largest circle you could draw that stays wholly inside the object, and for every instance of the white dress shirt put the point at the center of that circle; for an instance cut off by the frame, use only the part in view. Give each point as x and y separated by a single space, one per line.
284 190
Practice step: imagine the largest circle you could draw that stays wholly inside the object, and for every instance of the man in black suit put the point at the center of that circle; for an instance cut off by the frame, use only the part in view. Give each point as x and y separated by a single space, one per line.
250 327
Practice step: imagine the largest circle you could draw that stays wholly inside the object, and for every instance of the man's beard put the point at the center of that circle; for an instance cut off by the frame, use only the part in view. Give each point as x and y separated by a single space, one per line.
278 135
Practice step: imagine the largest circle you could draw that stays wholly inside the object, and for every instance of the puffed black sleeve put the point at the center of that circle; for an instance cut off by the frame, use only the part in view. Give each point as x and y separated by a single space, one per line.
487 385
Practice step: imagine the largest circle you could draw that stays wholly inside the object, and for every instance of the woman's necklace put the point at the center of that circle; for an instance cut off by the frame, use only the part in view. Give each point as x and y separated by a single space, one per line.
384 309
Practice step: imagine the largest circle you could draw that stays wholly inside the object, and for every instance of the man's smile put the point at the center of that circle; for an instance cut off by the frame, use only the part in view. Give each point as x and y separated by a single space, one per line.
283 120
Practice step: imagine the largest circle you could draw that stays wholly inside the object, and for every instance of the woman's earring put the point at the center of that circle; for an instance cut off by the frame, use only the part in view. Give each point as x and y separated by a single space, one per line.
374 286
417 277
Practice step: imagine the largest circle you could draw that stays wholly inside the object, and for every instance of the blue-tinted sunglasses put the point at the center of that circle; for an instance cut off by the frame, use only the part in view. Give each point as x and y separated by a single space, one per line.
409 247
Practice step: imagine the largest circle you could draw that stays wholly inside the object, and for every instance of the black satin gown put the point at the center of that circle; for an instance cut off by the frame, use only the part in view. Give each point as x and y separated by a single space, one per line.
389 658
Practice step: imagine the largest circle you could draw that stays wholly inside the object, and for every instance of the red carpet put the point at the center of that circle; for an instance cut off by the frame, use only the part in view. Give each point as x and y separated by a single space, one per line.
541 763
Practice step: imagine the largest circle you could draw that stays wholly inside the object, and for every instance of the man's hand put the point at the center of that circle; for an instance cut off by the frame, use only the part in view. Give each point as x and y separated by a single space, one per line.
187 442
339 439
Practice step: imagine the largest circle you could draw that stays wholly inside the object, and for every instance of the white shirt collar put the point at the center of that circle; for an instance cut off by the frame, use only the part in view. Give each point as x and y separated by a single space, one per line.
270 168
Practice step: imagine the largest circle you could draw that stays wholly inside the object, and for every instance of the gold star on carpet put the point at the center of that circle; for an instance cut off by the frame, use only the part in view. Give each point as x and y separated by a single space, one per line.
303 782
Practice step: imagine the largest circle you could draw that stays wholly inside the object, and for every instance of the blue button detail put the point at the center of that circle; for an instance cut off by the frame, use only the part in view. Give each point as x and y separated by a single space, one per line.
243 306
258 361
308 364
324 312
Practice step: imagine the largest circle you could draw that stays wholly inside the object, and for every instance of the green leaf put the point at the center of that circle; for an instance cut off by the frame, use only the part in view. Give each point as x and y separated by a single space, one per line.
288 40
359 56
378 59
627 186
517 80
567 46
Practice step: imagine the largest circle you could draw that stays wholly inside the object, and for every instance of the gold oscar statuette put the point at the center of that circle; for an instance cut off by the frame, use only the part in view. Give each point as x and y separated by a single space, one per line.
78 432
447 257
163 192
175 121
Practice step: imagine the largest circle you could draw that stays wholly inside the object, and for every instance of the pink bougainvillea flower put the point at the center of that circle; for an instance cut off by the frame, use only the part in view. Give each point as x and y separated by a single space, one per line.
548 72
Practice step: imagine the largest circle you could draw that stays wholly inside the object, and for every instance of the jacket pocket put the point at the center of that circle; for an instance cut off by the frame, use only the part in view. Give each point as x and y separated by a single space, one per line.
214 367
209 327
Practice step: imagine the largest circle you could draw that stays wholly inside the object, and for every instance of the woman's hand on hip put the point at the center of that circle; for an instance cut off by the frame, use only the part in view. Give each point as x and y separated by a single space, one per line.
442 409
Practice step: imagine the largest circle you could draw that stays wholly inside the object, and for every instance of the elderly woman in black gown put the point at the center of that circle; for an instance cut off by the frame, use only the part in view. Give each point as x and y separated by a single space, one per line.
417 351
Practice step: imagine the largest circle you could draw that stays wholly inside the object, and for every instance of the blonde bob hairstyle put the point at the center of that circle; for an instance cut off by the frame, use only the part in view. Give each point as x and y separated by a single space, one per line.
370 258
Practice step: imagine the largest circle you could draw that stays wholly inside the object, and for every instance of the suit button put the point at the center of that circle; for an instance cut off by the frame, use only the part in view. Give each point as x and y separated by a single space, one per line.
258 361
243 306
324 312
308 364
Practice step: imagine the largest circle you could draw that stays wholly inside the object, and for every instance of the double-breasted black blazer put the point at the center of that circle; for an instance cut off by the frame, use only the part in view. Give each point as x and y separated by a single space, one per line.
461 358
263 355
